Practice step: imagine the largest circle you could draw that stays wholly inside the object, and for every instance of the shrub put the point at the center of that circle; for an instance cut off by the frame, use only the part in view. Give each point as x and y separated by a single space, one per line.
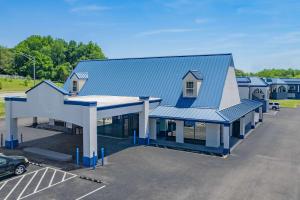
0 85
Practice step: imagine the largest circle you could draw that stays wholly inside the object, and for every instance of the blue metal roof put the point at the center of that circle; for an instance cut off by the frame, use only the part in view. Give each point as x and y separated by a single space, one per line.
251 81
51 84
243 80
190 114
157 77
81 75
195 73
275 81
235 112
291 81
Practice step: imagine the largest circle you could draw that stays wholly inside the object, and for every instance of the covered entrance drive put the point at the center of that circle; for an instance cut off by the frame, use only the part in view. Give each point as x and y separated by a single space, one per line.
49 101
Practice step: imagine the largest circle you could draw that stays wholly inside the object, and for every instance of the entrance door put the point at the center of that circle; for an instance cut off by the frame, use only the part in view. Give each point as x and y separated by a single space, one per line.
236 129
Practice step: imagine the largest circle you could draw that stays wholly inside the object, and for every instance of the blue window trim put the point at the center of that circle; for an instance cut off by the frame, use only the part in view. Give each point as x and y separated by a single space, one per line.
80 103
23 99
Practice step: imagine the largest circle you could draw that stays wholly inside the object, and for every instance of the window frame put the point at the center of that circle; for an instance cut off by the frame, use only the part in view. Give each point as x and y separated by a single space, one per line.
75 83
189 88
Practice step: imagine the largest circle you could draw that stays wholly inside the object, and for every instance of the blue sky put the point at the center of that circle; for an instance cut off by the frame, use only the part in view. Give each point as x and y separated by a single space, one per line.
259 33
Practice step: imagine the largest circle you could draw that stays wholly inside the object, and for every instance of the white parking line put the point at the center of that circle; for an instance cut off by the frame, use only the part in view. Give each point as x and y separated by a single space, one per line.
48 187
41 178
4 183
11 191
90 193
63 178
52 178
36 188
27 185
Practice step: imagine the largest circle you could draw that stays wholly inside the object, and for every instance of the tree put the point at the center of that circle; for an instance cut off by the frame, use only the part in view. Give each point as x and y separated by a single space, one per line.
240 73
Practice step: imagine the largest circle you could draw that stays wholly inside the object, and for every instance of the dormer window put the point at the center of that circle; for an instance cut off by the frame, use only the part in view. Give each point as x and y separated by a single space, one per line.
189 88
77 81
75 88
191 83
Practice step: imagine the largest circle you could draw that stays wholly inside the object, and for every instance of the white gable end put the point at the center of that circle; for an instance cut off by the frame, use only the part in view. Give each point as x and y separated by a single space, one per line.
230 96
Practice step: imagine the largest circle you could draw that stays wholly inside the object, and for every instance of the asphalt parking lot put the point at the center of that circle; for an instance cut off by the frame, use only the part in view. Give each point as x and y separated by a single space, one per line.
47 183
266 165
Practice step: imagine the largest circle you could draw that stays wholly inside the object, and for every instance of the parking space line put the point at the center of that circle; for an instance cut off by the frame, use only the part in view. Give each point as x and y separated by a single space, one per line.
11 191
64 176
90 193
4 183
52 178
48 186
38 185
27 185
22 175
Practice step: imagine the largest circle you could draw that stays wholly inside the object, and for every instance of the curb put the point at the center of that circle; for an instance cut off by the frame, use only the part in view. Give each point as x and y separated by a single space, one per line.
36 164
91 179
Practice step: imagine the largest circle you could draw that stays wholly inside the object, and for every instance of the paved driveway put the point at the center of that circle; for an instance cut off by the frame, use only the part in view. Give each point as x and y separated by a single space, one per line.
266 165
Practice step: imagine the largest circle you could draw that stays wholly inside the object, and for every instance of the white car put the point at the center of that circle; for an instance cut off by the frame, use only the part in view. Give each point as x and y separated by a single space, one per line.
274 105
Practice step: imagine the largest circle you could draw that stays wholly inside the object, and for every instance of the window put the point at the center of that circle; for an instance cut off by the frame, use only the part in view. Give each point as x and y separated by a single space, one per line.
74 86
281 89
3 161
189 88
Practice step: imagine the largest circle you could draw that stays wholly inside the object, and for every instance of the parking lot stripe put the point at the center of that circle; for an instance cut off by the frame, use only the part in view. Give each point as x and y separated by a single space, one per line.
49 186
52 178
90 193
4 183
11 191
63 178
40 180
27 184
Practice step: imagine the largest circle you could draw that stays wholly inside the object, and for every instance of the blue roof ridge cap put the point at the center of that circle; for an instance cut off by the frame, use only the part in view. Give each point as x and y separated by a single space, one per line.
153 57
51 84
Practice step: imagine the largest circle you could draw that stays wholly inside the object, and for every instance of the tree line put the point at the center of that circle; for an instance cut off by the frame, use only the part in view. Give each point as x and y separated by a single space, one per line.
271 73
54 58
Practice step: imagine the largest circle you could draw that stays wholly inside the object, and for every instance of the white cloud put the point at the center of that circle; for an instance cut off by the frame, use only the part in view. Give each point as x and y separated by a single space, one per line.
161 31
90 8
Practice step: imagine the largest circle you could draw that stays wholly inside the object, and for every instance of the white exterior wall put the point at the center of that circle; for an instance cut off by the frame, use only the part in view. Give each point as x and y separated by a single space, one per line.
144 120
244 92
152 124
179 131
45 101
230 96
212 135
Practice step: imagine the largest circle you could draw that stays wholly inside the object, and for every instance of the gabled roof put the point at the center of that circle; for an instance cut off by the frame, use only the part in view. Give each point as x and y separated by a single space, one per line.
251 81
195 73
81 75
157 77
51 84
237 111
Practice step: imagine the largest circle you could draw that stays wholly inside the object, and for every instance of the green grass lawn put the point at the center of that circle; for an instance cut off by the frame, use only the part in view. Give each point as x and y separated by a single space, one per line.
17 85
288 103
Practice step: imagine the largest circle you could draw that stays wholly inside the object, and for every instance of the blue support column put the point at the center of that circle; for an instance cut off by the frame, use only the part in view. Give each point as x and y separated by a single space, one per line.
102 156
